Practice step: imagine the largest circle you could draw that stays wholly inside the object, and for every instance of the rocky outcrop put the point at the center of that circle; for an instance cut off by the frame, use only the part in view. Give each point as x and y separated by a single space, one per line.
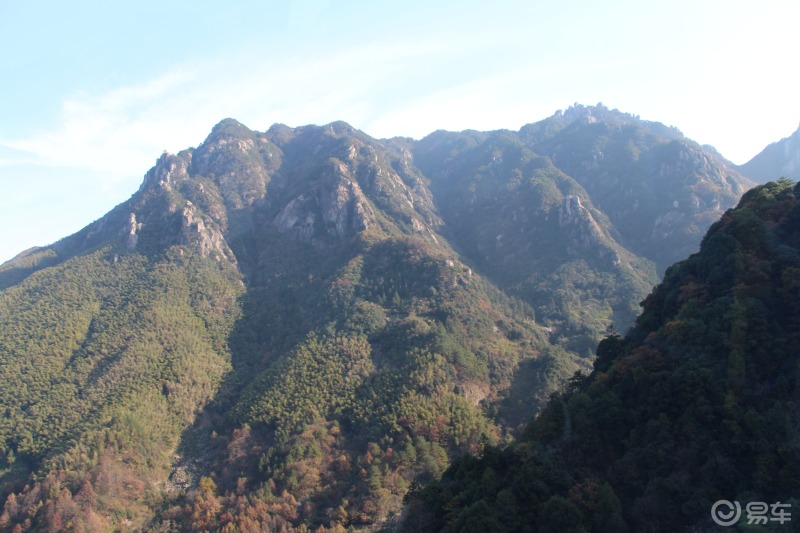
203 234
580 225
130 230
161 213
334 209
239 161
168 172
345 209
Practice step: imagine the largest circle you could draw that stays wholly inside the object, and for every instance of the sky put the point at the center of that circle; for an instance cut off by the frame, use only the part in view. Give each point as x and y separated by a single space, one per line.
93 92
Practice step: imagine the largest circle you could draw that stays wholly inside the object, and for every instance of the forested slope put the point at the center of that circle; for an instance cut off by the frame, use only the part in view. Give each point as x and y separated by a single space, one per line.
699 402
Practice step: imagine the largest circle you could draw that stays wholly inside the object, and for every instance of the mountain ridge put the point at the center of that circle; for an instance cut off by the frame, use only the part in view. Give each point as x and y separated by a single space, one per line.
779 159
433 292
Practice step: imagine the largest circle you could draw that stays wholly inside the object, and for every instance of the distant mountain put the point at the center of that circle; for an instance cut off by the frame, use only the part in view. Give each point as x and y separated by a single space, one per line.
570 213
535 232
291 327
779 159
659 189
698 403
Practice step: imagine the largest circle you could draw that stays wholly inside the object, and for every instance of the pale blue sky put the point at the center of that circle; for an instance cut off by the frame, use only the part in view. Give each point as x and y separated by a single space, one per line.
93 92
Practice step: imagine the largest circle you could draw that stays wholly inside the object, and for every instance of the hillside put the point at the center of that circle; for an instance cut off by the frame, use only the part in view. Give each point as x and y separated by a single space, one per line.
697 403
534 231
779 159
271 313
288 328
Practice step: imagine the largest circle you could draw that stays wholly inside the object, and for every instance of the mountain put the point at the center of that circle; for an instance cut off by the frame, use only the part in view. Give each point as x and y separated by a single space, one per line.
572 213
779 159
272 314
288 328
697 403
659 189
534 231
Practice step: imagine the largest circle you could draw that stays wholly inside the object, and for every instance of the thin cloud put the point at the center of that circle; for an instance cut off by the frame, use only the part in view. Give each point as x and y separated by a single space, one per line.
121 132
99 132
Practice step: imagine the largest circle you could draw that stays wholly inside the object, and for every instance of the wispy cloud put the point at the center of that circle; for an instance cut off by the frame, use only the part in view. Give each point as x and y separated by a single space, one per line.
120 132
99 131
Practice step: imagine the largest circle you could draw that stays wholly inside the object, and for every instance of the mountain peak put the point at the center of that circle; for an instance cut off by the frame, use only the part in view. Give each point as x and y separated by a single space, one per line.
340 127
167 170
231 127
590 114
579 111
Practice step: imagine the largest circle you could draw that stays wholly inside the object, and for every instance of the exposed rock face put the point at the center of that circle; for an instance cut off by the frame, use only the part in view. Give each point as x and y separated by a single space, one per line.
572 213
160 213
204 235
130 230
169 171
334 209
584 231
297 218
233 157
345 209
